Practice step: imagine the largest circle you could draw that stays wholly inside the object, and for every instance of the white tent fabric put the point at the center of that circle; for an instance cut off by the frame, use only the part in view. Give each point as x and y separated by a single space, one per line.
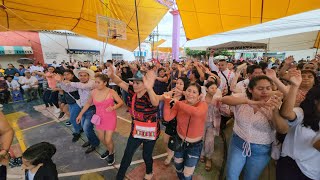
292 42
308 22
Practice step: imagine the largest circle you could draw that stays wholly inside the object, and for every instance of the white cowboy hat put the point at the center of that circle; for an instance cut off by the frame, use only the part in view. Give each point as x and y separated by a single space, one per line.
89 71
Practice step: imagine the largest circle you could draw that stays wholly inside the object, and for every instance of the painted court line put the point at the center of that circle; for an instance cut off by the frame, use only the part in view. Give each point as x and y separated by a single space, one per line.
32 127
77 173
124 119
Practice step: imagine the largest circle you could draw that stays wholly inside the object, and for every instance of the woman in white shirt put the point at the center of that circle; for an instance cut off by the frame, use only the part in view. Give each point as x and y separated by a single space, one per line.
300 156
256 116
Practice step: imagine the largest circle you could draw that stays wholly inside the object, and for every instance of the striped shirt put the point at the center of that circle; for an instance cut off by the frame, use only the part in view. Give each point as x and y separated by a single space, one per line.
143 108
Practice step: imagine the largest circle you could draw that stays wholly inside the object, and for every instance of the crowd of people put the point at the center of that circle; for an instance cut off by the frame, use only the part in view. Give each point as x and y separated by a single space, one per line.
275 107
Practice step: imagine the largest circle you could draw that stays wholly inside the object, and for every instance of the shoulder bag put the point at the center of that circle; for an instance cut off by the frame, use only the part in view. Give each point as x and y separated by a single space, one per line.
143 130
176 143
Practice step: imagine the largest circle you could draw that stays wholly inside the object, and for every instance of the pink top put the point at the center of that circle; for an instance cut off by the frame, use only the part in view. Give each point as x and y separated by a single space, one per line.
253 127
51 80
108 120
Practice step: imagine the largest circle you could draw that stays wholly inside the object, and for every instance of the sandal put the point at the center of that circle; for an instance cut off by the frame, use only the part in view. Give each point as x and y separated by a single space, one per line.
208 165
202 159
148 176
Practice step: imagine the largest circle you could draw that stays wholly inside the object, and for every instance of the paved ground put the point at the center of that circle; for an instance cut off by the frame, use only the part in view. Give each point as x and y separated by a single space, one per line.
33 123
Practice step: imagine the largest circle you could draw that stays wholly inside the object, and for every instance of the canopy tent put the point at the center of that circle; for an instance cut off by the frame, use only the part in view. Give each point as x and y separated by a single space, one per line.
158 43
206 17
289 26
167 46
292 42
237 45
79 16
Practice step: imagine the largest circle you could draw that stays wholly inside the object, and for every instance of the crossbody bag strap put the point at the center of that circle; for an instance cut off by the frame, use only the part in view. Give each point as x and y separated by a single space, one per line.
225 78
133 103
72 97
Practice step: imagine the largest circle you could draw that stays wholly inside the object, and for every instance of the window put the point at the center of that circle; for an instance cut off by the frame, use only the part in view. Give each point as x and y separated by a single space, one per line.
117 56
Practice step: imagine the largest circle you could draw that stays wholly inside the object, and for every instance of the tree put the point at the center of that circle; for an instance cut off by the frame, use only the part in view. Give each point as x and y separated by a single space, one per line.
199 53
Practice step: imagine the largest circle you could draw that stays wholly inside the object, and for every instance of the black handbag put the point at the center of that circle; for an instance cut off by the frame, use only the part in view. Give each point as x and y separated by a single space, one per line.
176 143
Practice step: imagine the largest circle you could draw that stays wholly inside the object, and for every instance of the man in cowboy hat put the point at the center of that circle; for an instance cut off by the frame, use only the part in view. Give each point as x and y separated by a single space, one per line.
84 87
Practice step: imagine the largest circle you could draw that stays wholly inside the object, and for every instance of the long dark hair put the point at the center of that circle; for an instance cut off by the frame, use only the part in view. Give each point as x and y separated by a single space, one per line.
39 153
186 83
253 82
74 79
310 109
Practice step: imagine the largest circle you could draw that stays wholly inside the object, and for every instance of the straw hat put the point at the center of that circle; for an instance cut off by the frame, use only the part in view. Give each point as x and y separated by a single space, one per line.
88 71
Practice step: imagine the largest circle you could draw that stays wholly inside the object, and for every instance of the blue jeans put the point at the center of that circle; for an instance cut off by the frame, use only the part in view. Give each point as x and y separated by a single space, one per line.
253 165
187 160
74 110
132 146
124 95
160 111
88 127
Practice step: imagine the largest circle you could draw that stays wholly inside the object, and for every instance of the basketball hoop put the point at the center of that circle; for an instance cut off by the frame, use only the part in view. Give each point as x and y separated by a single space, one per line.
111 28
118 36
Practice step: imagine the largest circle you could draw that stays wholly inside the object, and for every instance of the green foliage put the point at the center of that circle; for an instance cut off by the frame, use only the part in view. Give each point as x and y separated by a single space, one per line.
199 53
195 53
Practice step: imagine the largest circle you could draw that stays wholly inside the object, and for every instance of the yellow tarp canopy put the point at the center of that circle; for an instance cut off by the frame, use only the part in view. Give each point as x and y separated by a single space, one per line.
79 16
206 17
317 42
166 49
158 43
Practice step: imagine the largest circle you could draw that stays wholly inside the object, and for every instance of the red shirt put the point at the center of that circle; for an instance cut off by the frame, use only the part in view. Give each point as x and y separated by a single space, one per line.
183 112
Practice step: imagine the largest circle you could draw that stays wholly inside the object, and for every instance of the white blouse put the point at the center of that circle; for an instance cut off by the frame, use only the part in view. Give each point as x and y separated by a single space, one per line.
298 145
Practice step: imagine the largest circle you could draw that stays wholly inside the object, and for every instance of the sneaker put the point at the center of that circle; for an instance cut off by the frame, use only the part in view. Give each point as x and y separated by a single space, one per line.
56 110
61 115
68 123
90 149
86 144
76 137
111 159
104 155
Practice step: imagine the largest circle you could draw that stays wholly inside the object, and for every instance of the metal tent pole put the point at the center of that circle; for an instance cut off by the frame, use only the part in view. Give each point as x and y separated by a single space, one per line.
137 20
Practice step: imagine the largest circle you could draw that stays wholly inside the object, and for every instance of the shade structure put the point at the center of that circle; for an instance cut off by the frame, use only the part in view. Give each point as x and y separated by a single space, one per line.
206 17
79 16
293 42
296 32
317 42
166 49
161 41
237 45
6 50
